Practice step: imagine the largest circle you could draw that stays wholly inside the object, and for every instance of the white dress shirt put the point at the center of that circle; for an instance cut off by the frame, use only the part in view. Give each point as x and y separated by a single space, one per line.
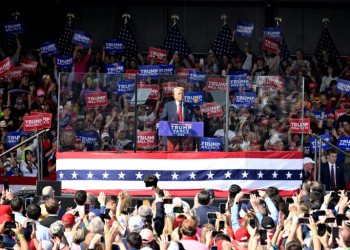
330 173
42 233
20 218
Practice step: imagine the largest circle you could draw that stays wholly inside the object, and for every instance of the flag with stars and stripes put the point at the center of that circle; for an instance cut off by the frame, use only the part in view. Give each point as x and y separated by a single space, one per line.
175 42
286 55
65 45
10 42
222 44
132 49
191 171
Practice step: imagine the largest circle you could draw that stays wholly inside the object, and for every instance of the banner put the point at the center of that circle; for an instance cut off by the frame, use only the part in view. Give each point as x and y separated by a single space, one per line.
212 109
244 29
271 44
168 88
181 129
195 98
115 68
245 98
13 137
89 140
318 115
158 53
344 143
155 90
49 48
5 65
146 139
16 74
64 62
239 82
131 74
196 76
276 82
13 27
182 75
216 84
211 144
28 66
165 70
126 87
343 85
66 120
324 146
339 113
241 73
30 123
81 38
47 118
96 99
274 33
296 124
114 45
17 91
149 71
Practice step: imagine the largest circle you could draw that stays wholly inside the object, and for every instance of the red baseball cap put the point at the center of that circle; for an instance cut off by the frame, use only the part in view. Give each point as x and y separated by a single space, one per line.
238 60
264 122
312 85
68 219
254 142
330 115
68 128
260 57
242 235
149 123
343 99
77 140
292 148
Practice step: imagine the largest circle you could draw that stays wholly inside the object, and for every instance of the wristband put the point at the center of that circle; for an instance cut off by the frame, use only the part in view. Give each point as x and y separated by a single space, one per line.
155 234
315 232
295 215
118 224
120 206
103 204
87 225
81 220
327 247
91 246
20 235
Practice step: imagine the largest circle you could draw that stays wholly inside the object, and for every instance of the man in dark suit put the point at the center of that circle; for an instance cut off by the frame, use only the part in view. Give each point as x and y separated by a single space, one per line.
212 198
307 170
203 209
332 175
52 209
178 111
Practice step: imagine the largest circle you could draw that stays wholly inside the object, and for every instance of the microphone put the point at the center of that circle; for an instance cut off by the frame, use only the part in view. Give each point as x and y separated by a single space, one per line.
180 102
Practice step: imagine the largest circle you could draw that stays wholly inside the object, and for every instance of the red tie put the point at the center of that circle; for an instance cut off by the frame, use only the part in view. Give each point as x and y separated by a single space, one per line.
180 113
332 179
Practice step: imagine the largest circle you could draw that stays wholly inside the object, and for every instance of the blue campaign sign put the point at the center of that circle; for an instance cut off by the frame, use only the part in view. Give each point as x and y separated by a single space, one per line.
49 48
16 91
195 98
196 76
324 146
211 144
165 70
66 120
343 85
239 73
126 87
88 139
181 129
149 71
116 68
245 98
13 27
114 45
274 33
244 29
344 143
318 115
64 61
81 38
239 83
13 137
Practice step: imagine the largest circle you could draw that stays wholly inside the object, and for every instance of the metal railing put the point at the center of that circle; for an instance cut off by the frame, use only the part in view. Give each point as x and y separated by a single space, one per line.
39 152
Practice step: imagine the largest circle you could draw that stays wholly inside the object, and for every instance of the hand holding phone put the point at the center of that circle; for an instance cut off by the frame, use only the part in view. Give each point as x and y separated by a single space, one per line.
211 216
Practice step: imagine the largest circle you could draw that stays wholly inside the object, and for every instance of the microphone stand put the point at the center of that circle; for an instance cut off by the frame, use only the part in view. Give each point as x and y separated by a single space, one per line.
180 137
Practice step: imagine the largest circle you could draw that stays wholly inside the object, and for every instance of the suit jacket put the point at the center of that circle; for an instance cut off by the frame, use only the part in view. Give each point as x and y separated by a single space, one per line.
170 112
306 199
311 177
202 211
49 220
339 176
159 219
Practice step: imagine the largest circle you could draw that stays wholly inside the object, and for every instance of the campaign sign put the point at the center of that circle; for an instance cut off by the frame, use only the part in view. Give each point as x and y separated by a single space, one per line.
274 33
343 85
168 88
339 113
195 98
5 65
114 45
13 27
115 68
239 82
344 143
146 139
17 91
182 75
89 140
296 124
49 48
66 120
47 118
244 29
158 53
155 91
81 38
28 66
245 98
16 74
318 115
276 82
125 87
216 84
165 70
13 137
324 145
211 144
212 109
64 62
96 99
196 76
149 71
30 123
181 129
239 73
271 44
131 74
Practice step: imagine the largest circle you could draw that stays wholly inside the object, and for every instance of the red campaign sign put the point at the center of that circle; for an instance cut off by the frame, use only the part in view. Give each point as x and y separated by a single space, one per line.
28 66
212 109
182 75
338 113
30 123
5 66
47 118
155 90
146 139
295 125
216 84
96 99
16 74
271 44
168 88
159 53
274 82
131 74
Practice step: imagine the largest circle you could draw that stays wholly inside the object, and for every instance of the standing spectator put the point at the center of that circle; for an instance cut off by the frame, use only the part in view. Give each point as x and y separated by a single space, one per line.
323 64
211 67
345 74
299 61
203 209
34 213
52 208
259 68
97 63
246 56
332 174
17 209
189 241
28 166
328 78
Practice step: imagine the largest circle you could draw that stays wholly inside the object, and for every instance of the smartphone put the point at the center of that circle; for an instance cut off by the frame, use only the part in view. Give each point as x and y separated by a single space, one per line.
340 218
10 224
334 195
201 61
335 234
86 208
263 237
289 200
30 226
178 210
6 185
12 217
303 221
176 53
214 248
330 220
102 217
154 58
252 223
215 233
222 208
211 216
321 212
168 201
306 215
106 215
161 193
221 225
348 194
246 196
130 210
139 203
169 237
321 229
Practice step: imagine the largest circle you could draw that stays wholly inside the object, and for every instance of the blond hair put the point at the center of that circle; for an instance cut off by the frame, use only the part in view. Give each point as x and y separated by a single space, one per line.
168 225
206 228
178 88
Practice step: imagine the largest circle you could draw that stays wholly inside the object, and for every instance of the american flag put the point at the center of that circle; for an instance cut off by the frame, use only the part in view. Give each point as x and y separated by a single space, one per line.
132 50
10 42
286 55
65 45
222 44
175 42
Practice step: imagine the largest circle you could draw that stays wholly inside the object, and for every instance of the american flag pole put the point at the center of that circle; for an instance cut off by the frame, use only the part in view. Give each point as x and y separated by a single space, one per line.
222 44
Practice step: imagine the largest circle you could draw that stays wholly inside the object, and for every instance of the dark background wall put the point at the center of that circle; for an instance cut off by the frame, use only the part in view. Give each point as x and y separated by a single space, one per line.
199 21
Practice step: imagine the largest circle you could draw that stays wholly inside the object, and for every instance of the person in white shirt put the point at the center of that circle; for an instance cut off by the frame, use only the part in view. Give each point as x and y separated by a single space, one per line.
17 209
28 166
34 213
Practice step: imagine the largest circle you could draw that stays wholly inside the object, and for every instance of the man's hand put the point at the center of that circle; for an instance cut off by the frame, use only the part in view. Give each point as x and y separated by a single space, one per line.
328 198
18 230
9 194
254 201
208 237
107 226
293 209
156 191
102 198
252 231
262 194
110 237
239 197
96 239
187 213
82 214
163 242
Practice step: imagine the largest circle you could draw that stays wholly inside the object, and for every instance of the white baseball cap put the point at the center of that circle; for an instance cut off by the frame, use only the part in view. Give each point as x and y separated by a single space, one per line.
308 160
135 222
